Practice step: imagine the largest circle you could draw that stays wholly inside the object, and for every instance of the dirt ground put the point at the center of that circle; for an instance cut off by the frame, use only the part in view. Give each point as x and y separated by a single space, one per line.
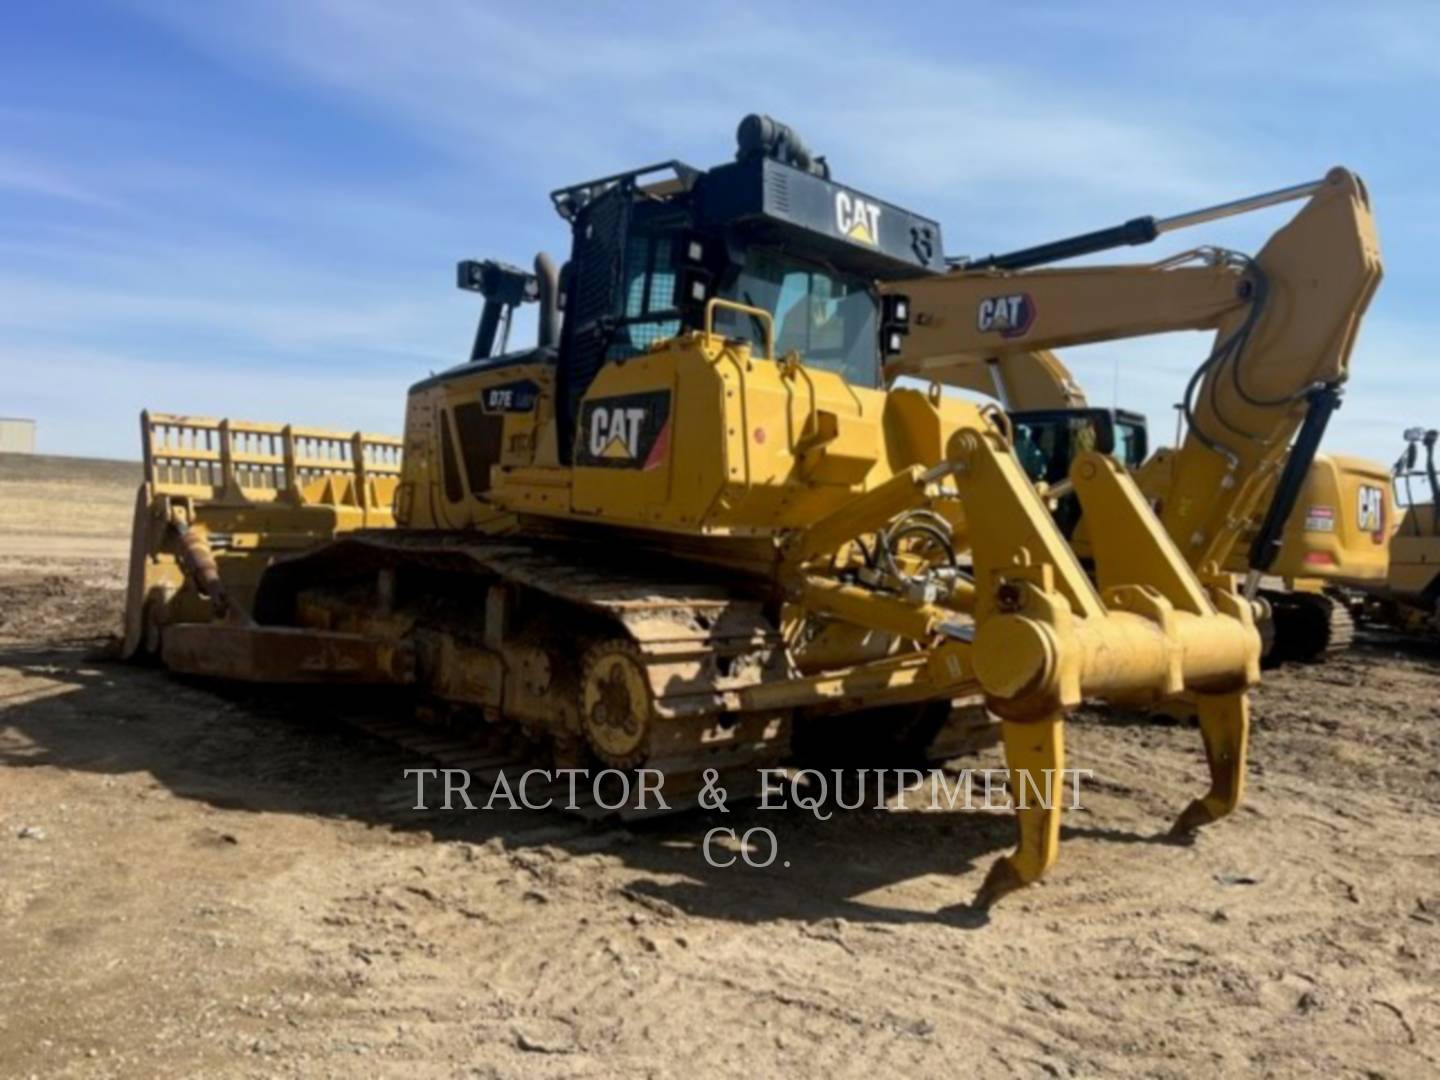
204 884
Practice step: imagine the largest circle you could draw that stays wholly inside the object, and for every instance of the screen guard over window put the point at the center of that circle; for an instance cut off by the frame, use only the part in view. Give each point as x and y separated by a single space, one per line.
648 310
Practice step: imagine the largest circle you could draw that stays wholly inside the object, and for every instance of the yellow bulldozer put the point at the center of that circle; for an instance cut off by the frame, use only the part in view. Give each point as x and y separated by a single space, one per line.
691 528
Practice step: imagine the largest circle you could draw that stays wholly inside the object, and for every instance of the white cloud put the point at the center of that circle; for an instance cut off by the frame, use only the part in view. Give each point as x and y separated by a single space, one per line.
1316 44
261 320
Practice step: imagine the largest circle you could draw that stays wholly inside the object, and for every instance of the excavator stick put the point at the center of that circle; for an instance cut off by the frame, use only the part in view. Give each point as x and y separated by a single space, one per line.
222 498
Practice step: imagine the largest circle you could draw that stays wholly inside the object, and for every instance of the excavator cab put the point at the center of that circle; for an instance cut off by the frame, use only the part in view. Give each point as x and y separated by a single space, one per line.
1047 441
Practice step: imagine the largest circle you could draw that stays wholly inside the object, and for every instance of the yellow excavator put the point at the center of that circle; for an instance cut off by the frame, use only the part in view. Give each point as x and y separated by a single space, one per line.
1408 599
1330 538
692 520
1291 523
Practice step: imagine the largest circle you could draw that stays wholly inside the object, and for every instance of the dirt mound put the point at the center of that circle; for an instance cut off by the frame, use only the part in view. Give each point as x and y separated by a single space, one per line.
84 603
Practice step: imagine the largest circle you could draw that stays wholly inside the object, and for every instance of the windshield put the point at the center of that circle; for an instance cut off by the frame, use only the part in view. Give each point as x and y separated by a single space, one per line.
828 319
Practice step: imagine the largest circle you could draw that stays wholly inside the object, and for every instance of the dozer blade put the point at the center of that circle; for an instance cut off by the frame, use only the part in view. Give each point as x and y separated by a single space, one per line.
222 498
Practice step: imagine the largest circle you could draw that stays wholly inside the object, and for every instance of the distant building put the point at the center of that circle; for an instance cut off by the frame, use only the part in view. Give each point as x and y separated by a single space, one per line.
16 436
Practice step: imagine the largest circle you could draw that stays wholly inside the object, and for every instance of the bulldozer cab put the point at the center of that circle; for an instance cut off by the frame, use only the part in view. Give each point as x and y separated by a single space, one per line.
771 230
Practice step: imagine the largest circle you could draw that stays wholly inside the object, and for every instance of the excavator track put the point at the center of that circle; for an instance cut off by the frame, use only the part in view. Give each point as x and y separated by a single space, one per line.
1309 627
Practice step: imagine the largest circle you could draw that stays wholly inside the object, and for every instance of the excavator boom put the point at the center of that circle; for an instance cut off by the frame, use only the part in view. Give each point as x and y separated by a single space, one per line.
1285 322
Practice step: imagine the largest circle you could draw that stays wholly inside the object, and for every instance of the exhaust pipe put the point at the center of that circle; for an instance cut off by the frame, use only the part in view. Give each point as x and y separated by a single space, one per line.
548 278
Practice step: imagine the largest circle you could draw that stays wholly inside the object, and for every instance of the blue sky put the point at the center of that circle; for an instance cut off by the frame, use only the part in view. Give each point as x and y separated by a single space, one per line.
254 209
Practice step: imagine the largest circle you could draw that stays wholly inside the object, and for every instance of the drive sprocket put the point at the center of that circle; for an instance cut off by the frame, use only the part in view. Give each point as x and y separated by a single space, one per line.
615 704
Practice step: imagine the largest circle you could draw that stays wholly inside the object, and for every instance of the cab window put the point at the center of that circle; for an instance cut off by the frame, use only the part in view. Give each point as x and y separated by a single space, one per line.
828 319
649 294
